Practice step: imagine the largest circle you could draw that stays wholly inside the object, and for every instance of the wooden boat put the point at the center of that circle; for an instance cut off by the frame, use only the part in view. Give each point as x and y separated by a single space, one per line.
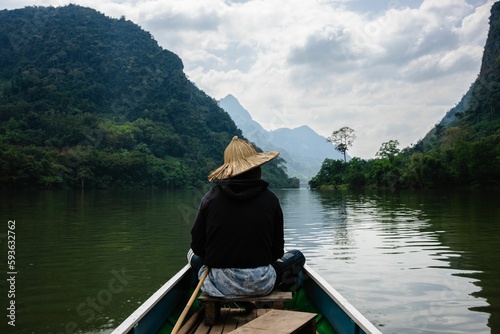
159 313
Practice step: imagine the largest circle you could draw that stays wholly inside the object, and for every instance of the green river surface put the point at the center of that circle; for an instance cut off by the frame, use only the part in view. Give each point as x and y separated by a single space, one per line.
411 262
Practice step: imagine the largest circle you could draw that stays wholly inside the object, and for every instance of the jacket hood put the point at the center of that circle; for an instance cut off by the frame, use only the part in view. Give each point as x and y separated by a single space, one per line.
242 190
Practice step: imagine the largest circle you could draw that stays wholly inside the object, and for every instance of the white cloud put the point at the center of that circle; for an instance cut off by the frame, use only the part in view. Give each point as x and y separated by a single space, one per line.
387 69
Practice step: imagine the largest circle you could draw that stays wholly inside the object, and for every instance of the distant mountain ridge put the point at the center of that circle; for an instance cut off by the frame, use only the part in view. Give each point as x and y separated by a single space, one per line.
302 148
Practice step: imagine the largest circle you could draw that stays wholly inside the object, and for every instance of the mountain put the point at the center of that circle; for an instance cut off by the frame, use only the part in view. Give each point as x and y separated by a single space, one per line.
302 148
88 101
477 114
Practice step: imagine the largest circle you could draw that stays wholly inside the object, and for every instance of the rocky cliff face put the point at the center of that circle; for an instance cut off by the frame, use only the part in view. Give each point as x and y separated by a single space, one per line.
491 57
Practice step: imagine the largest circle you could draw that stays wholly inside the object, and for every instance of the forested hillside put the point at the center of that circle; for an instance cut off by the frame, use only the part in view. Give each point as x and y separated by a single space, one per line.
463 150
90 101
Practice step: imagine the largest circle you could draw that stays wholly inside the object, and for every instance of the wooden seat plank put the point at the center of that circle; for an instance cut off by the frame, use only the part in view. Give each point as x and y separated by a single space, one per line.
276 299
275 295
280 321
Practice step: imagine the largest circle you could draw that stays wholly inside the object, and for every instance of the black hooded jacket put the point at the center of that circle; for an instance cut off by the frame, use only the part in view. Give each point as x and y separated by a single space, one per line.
239 225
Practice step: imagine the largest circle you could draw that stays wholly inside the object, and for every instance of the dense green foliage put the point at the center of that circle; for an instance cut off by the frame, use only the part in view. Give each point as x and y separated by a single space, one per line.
463 151
90 101
465 164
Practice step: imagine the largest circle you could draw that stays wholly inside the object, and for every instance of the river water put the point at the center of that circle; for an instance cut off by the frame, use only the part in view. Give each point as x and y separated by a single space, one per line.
411 262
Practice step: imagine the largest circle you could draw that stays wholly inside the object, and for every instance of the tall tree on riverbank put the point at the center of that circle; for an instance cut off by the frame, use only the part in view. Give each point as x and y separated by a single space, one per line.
342 139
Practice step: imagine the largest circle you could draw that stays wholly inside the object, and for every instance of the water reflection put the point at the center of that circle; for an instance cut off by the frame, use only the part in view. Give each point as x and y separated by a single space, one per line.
71 245
411 262
399 258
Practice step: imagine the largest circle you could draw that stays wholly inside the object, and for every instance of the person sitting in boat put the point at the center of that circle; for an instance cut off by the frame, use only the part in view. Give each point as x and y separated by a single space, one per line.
238 231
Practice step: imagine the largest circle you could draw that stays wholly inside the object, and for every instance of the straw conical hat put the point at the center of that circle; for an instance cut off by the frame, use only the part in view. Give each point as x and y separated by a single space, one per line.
239 157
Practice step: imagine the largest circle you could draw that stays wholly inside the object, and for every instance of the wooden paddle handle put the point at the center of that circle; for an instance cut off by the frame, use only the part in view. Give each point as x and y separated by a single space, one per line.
190 303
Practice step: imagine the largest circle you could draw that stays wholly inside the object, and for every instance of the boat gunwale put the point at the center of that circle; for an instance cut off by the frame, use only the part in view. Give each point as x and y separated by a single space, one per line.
130 322
343 303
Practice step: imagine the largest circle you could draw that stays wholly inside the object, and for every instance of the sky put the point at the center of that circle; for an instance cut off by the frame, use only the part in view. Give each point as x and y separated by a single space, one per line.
389 69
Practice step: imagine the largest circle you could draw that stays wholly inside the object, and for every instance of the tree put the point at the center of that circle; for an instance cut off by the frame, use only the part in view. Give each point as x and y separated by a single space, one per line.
342 139
389 150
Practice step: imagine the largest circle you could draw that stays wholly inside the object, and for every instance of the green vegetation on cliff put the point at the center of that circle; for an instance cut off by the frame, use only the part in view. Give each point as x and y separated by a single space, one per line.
90 101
